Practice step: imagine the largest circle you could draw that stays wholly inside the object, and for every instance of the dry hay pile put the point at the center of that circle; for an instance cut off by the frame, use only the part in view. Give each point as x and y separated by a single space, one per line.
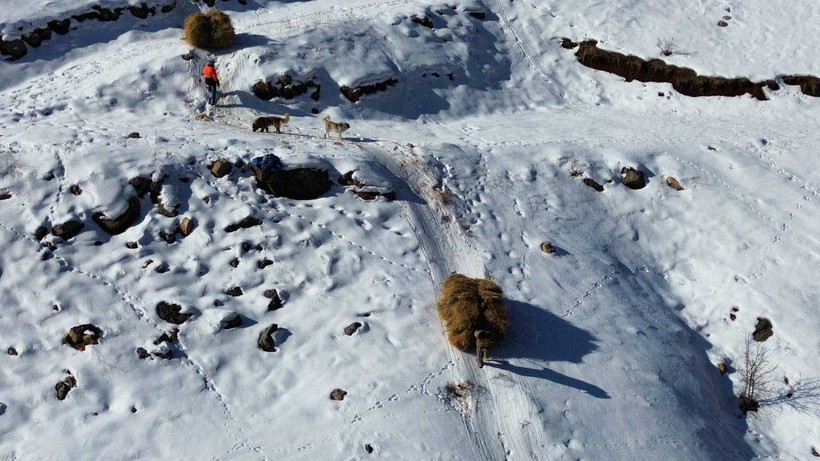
211 30
467 304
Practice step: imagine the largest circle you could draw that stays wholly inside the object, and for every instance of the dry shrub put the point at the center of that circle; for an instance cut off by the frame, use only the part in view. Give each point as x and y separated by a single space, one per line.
211 30
468 304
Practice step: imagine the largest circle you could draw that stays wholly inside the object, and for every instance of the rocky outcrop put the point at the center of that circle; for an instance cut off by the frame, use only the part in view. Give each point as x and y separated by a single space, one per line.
287 88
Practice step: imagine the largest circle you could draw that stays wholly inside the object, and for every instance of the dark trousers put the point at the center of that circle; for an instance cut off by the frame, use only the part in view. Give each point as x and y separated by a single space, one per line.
212 94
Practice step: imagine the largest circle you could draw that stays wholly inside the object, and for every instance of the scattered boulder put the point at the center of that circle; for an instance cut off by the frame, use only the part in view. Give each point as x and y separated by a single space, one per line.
593 184
266 342
245 247
275 300
234 262
186 226
11 351
633 178
368 448
221 167
338 394
246 223
763 329
478 14
142 353
3 407
63 387
263 263
131 245
168 237
83 335
722 368
161 268
14 49
722 23
133 135
75 189
167 337
352 328
547 248
141 185
171 313
235 291
232 320
68 229
41 232
672 182
5 196
118 225
347 179
297 183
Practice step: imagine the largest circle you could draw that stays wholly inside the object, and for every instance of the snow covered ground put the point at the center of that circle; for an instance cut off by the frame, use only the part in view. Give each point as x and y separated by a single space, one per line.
615 339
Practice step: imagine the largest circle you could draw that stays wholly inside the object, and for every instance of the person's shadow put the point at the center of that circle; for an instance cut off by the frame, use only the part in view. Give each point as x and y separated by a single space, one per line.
537 334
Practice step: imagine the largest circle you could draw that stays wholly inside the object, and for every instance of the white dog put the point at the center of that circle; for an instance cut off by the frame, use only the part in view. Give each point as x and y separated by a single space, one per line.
338 127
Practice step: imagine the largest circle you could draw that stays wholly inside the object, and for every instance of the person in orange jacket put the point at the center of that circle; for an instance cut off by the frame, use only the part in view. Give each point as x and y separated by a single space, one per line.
211 80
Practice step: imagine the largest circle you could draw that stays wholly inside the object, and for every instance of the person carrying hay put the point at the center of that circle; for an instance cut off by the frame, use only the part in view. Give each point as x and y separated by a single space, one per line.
483 342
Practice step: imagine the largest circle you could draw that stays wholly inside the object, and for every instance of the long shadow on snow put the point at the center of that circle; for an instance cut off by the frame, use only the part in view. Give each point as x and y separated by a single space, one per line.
544 337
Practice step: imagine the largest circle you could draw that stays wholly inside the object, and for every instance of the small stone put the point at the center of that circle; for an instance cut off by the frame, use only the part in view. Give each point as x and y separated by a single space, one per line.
3 407
41 232
633 178
266 342
63 387
722 368
142 353
234 262
235 291
245 246
246 223
11 351
722 23
368 448
232 321
133 409
186 226
75 189
83 335
221 167
763 329
68 229
259 247
167 337
352 328
5 195
547 248
673 183
172 313
133 135
131 245
161 268
169 237
338 394
275 300
264 263
593 184
814 452
732 317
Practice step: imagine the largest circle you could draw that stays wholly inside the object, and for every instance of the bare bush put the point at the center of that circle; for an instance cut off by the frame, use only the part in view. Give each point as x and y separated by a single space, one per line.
667 46
756 375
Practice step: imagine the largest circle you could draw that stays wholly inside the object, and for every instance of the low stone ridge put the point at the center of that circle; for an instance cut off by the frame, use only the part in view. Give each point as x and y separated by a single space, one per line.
353 94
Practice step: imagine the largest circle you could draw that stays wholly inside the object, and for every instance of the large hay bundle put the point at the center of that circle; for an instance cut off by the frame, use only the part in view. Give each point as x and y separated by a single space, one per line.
211 30
468 304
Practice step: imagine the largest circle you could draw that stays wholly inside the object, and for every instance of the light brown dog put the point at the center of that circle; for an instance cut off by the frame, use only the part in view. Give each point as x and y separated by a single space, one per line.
263 123
337 127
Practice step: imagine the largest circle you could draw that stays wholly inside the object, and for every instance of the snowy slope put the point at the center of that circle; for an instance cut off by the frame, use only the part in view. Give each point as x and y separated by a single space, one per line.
614 339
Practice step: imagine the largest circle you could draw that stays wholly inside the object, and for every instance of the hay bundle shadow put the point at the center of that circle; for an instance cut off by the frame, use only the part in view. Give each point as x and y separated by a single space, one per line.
211 30
467 304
